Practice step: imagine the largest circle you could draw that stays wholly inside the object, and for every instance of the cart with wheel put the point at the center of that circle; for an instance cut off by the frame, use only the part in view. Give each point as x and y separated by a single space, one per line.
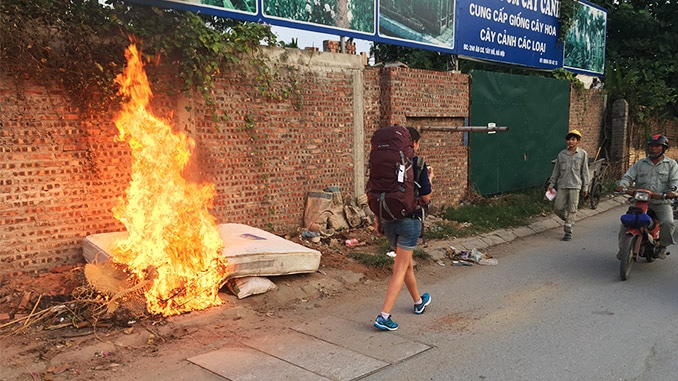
597 169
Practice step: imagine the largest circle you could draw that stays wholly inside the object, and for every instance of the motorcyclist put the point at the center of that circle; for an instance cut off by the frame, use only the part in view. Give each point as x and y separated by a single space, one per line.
658 174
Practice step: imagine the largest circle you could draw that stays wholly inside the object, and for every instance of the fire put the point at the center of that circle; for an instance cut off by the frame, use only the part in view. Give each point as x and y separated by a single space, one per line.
173 243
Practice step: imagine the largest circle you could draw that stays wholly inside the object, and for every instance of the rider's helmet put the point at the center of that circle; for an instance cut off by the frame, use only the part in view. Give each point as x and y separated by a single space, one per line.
659 140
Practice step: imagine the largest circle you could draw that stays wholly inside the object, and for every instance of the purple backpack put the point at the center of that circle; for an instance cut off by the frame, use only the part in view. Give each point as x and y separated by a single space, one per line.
390 189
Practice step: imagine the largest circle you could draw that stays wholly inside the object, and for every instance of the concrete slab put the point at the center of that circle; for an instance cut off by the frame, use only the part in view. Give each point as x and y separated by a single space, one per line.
248 364
471 243
362 338
492 239
505 234
523 231
317 356
546 224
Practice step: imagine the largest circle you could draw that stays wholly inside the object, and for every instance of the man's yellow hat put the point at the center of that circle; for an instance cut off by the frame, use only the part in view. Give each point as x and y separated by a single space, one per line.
573 132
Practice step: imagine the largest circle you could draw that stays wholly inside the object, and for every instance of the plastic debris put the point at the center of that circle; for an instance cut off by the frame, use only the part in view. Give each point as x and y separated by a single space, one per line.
488 262
468 258
462 263
475 255
309 234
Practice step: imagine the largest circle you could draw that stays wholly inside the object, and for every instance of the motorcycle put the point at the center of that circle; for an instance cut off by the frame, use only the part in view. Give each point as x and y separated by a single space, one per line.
641 238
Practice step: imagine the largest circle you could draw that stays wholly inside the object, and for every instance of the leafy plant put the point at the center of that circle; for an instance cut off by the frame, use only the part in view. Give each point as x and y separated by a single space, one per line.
487 214
421 254
640 57
379 260
80 44
568 76
482 215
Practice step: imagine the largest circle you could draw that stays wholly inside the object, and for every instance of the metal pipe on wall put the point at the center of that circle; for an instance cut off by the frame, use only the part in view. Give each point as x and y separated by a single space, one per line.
464 128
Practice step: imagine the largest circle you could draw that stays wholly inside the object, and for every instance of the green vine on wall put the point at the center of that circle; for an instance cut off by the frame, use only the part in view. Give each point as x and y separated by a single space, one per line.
579 87
564 74
80 44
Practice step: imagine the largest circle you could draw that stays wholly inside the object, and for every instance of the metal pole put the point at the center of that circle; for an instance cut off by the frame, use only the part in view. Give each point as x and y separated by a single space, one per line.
463 128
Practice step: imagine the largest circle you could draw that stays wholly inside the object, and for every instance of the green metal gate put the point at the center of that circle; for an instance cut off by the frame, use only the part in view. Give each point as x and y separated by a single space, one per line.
536 110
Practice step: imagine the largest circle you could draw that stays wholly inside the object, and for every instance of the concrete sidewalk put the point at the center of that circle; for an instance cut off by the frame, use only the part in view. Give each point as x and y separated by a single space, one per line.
335 348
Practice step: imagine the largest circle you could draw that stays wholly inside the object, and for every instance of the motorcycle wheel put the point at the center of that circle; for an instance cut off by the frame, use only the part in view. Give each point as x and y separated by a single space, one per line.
627 256
649 254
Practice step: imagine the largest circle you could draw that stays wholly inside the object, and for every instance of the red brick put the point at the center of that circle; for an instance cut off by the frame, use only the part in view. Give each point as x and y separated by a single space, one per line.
63 172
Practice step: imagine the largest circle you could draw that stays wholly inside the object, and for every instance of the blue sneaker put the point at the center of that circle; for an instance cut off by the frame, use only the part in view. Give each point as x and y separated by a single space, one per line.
385 324
425 301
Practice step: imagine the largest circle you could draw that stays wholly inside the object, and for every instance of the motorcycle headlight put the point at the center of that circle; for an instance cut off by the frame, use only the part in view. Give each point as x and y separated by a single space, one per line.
642 196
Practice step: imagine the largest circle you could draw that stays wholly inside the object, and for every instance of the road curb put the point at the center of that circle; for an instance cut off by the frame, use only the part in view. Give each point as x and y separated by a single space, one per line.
437 249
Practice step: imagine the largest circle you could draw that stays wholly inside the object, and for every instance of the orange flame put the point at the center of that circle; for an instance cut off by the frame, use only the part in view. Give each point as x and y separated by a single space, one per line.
173 240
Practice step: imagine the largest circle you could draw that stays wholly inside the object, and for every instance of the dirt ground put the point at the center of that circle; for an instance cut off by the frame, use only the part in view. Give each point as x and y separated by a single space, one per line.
41 341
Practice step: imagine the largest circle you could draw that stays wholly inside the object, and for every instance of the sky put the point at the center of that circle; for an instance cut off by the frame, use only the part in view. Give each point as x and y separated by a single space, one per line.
313 39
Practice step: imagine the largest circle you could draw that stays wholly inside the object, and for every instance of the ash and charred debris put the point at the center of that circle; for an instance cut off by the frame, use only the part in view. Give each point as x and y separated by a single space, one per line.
64 298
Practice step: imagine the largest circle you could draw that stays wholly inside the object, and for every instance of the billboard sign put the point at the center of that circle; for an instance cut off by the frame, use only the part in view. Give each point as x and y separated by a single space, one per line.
518 32
585 41
427 24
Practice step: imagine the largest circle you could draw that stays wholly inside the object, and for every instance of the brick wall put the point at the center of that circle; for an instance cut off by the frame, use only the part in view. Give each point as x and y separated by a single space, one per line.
271 153
61 172
60 176
335 47
422 98
587 108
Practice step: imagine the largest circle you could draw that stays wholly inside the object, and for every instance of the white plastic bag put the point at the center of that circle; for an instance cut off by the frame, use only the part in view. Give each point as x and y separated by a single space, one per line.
253 285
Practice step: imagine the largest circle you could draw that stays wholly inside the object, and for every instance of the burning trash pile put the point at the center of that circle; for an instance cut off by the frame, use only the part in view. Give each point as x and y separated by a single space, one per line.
173 245
170 262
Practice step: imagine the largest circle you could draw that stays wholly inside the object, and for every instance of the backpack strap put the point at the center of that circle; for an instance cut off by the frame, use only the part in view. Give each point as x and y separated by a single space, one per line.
418 169
383 207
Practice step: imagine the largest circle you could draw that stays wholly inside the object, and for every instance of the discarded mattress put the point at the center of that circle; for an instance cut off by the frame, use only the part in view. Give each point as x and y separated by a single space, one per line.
249 251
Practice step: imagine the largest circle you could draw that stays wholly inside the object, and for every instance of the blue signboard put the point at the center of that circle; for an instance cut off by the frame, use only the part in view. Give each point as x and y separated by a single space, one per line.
519 32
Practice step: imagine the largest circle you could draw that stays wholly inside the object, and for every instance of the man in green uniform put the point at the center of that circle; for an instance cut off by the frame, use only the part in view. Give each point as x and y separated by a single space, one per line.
570 176
658 174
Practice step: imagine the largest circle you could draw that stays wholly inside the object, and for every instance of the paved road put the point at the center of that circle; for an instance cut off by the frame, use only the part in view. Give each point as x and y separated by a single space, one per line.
551 310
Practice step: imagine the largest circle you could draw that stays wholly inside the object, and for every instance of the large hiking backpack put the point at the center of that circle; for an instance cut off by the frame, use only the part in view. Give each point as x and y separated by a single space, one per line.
390 189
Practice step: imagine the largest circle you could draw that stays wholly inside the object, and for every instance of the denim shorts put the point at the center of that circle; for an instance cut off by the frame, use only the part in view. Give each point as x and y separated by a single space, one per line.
403 233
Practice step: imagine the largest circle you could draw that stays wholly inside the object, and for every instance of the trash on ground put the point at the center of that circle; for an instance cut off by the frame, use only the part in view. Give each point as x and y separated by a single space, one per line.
253 285
488 262
462 263
469 257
